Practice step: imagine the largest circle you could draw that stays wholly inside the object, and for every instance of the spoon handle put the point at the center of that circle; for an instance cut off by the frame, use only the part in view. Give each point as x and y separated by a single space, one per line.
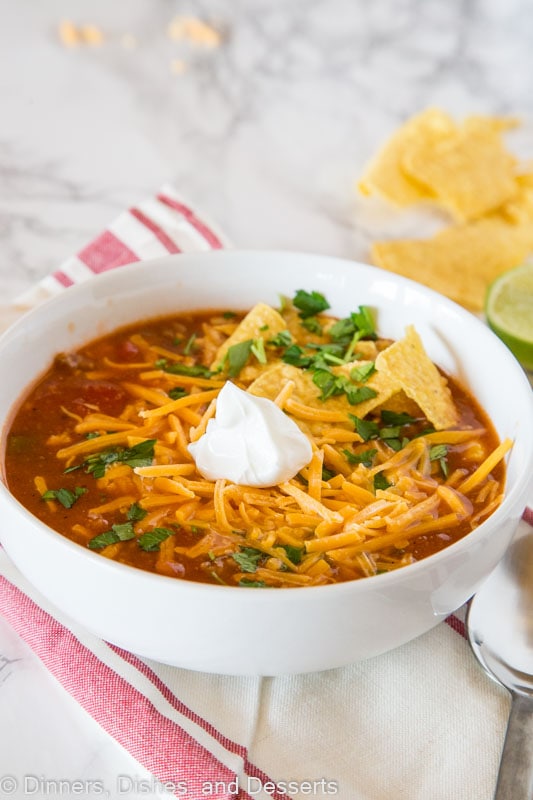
515 778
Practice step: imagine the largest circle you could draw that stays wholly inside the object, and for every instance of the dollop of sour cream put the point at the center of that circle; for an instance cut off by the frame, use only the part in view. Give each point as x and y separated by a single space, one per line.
250 441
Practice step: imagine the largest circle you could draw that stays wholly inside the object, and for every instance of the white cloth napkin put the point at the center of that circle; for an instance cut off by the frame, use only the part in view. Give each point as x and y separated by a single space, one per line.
422 722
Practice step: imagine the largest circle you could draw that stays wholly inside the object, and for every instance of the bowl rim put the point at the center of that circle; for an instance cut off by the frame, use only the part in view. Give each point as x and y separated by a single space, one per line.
511 507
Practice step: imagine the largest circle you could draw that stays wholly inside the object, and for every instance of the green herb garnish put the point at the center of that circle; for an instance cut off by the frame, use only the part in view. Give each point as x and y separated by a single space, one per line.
281 339
237 356
362 374
394 418
64 496
177 392
177 368
136 513
151 540
365 428
358 394
312 325
248 559
189 346
294 554
252 584
366 457
140 455
439 452
309 303
381 482
122 532
295 355
258 350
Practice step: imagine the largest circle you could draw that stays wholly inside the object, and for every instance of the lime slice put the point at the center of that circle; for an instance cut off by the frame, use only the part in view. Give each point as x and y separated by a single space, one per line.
509 311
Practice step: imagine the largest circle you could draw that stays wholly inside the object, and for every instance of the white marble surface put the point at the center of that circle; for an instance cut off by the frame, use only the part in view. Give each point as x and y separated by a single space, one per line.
267 133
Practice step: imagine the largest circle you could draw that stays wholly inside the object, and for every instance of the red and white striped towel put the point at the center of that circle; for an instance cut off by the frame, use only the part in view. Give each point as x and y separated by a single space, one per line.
420 722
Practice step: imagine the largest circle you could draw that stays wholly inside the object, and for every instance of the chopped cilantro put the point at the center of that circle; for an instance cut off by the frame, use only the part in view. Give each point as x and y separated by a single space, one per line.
189 346
237 356
195 371
151 540
380 481
309 303
358 325
281 339
258 350
294 554
439 452
136 513
395 443
177 392
312 325
393 418
358 394
295 355
122 532
366 457
177 368
64 496
363 373
329 384
140 455
248 558
365 428
252 584
390 433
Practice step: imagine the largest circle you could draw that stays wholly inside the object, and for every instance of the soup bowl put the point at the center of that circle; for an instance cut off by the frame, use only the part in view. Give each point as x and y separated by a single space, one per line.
244 630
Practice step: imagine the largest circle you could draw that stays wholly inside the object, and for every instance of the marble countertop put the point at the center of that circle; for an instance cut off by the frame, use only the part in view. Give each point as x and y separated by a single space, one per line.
266 132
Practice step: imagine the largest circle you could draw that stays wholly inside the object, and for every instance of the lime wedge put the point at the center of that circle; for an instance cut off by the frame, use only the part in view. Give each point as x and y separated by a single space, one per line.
509 311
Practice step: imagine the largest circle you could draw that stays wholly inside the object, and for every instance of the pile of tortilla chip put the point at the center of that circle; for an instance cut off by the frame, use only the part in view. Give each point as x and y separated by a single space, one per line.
466 170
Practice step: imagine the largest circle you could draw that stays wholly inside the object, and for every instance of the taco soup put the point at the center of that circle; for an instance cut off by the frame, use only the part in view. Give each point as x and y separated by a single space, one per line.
282 447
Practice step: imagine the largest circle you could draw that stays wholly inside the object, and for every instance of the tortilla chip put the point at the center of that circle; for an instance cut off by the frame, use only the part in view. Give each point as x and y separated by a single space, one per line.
419 378
386 175
468 170
519 209
272 380
459 261
399 403
262 321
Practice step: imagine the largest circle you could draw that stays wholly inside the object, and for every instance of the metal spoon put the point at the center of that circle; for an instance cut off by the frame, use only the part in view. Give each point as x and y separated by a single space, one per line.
500 631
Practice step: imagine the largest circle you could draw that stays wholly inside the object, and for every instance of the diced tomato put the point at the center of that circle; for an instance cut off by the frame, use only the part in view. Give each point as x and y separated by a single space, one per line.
127 351
81 395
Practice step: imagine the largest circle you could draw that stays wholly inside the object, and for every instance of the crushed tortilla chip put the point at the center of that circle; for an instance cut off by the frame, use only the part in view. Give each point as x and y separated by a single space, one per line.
272 379
465 169
262 322
386 175
468 170
419 378
459 261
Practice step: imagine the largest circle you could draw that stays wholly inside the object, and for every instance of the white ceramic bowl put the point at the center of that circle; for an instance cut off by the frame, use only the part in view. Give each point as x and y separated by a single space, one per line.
249 631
